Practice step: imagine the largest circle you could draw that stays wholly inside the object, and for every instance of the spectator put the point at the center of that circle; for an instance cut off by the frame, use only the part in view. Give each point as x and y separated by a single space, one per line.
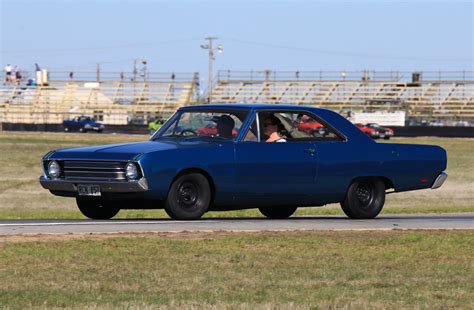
18 76
8 73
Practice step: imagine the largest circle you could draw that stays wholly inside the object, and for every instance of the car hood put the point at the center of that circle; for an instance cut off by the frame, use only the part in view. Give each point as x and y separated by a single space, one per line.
125 151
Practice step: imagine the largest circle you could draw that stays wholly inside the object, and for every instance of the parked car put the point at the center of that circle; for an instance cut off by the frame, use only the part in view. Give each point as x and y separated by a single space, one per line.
309 125
189 173
371 132
83 124
384 132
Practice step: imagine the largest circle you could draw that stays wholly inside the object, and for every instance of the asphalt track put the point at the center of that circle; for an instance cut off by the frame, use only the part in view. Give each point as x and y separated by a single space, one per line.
447 221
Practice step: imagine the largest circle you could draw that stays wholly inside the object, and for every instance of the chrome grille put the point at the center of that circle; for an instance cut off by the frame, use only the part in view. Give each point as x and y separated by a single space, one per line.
94 170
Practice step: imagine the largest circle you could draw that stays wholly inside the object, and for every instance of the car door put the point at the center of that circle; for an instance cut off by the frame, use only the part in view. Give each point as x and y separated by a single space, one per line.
275 173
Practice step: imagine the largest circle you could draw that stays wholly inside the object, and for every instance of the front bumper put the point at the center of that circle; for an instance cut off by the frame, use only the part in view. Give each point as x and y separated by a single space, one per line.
106 187
439 180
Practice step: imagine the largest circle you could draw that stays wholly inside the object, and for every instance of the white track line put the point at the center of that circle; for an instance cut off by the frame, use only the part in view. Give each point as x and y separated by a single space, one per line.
100 223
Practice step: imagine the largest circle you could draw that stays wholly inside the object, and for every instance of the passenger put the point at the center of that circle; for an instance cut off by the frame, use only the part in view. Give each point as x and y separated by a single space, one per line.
225 126
274 129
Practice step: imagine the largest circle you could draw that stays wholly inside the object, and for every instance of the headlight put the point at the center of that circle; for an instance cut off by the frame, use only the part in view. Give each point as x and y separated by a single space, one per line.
131 171
54 170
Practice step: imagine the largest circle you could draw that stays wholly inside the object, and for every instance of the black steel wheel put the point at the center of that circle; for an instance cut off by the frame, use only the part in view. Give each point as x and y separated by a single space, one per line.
96 209
364 199
278 212
189 197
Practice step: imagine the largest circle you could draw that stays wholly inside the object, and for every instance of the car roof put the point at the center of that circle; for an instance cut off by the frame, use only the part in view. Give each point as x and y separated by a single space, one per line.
250 106
334 118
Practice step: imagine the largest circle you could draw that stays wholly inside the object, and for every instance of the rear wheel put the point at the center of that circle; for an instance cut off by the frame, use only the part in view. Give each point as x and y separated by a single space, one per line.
278 212
189 197
364 199
96 209
66 129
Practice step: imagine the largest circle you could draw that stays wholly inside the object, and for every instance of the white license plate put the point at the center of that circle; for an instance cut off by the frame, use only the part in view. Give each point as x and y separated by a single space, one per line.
88 190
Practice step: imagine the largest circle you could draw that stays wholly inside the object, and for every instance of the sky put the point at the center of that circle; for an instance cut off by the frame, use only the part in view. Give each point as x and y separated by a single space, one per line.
256 35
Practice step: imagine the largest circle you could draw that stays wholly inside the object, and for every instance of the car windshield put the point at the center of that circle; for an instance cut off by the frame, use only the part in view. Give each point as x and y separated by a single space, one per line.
204 125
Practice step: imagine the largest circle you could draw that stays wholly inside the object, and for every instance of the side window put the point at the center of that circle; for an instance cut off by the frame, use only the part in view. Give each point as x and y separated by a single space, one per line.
307 124
294 126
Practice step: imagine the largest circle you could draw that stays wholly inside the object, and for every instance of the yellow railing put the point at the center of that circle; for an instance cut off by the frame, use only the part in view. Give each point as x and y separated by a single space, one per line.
112 102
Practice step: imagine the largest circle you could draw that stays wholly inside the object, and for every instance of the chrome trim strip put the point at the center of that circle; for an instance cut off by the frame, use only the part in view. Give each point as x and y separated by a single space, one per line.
439 180
105 186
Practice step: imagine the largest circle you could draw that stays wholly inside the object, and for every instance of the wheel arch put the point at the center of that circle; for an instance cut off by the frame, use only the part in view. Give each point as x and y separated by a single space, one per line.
387 182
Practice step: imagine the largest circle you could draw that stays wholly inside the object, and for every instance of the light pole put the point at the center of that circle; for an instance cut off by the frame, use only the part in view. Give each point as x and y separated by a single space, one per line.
209 47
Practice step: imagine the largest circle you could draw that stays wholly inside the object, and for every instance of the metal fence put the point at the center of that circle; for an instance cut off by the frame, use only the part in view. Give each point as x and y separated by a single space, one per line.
108 76
364 75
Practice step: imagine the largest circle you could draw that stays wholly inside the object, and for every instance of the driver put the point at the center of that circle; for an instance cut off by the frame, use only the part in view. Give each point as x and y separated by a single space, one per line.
225 125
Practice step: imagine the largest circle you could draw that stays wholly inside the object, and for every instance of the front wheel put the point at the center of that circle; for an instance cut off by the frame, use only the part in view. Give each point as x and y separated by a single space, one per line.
277 212
364 199
96 209
189 197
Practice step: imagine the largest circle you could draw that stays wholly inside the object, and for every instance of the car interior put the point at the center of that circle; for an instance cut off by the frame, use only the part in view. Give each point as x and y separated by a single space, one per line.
299 126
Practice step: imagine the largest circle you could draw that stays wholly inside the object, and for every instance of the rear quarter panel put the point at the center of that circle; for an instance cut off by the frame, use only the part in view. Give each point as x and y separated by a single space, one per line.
414 166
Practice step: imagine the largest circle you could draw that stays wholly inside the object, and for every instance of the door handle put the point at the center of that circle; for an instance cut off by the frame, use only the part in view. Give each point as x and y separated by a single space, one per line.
309 151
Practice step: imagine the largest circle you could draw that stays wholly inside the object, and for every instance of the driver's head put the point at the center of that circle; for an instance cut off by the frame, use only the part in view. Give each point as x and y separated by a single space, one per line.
225 125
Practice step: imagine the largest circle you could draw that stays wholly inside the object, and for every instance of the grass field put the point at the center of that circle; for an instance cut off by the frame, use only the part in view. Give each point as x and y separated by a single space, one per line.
21 196
267 270
357 270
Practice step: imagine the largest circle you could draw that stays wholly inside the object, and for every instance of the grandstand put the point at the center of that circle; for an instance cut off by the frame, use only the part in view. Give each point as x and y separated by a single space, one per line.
114 101
422 95
121 99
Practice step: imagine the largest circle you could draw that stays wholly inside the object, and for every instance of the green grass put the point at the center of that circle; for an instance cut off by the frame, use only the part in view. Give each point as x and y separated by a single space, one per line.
22 197
361 270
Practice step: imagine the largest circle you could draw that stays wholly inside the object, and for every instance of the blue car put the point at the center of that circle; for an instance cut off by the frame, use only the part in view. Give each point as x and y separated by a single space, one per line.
256 156
83 124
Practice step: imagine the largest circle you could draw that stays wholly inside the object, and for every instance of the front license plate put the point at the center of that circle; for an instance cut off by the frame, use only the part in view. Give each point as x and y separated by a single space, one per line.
88 190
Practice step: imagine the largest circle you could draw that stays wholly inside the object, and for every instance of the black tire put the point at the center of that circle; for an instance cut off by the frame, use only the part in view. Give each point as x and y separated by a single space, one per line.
82 129
189 197
66 129
386 138
96 209
278 212
99 131
364 199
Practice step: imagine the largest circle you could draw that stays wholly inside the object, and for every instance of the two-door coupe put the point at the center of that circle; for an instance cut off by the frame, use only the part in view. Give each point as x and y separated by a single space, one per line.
188 171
